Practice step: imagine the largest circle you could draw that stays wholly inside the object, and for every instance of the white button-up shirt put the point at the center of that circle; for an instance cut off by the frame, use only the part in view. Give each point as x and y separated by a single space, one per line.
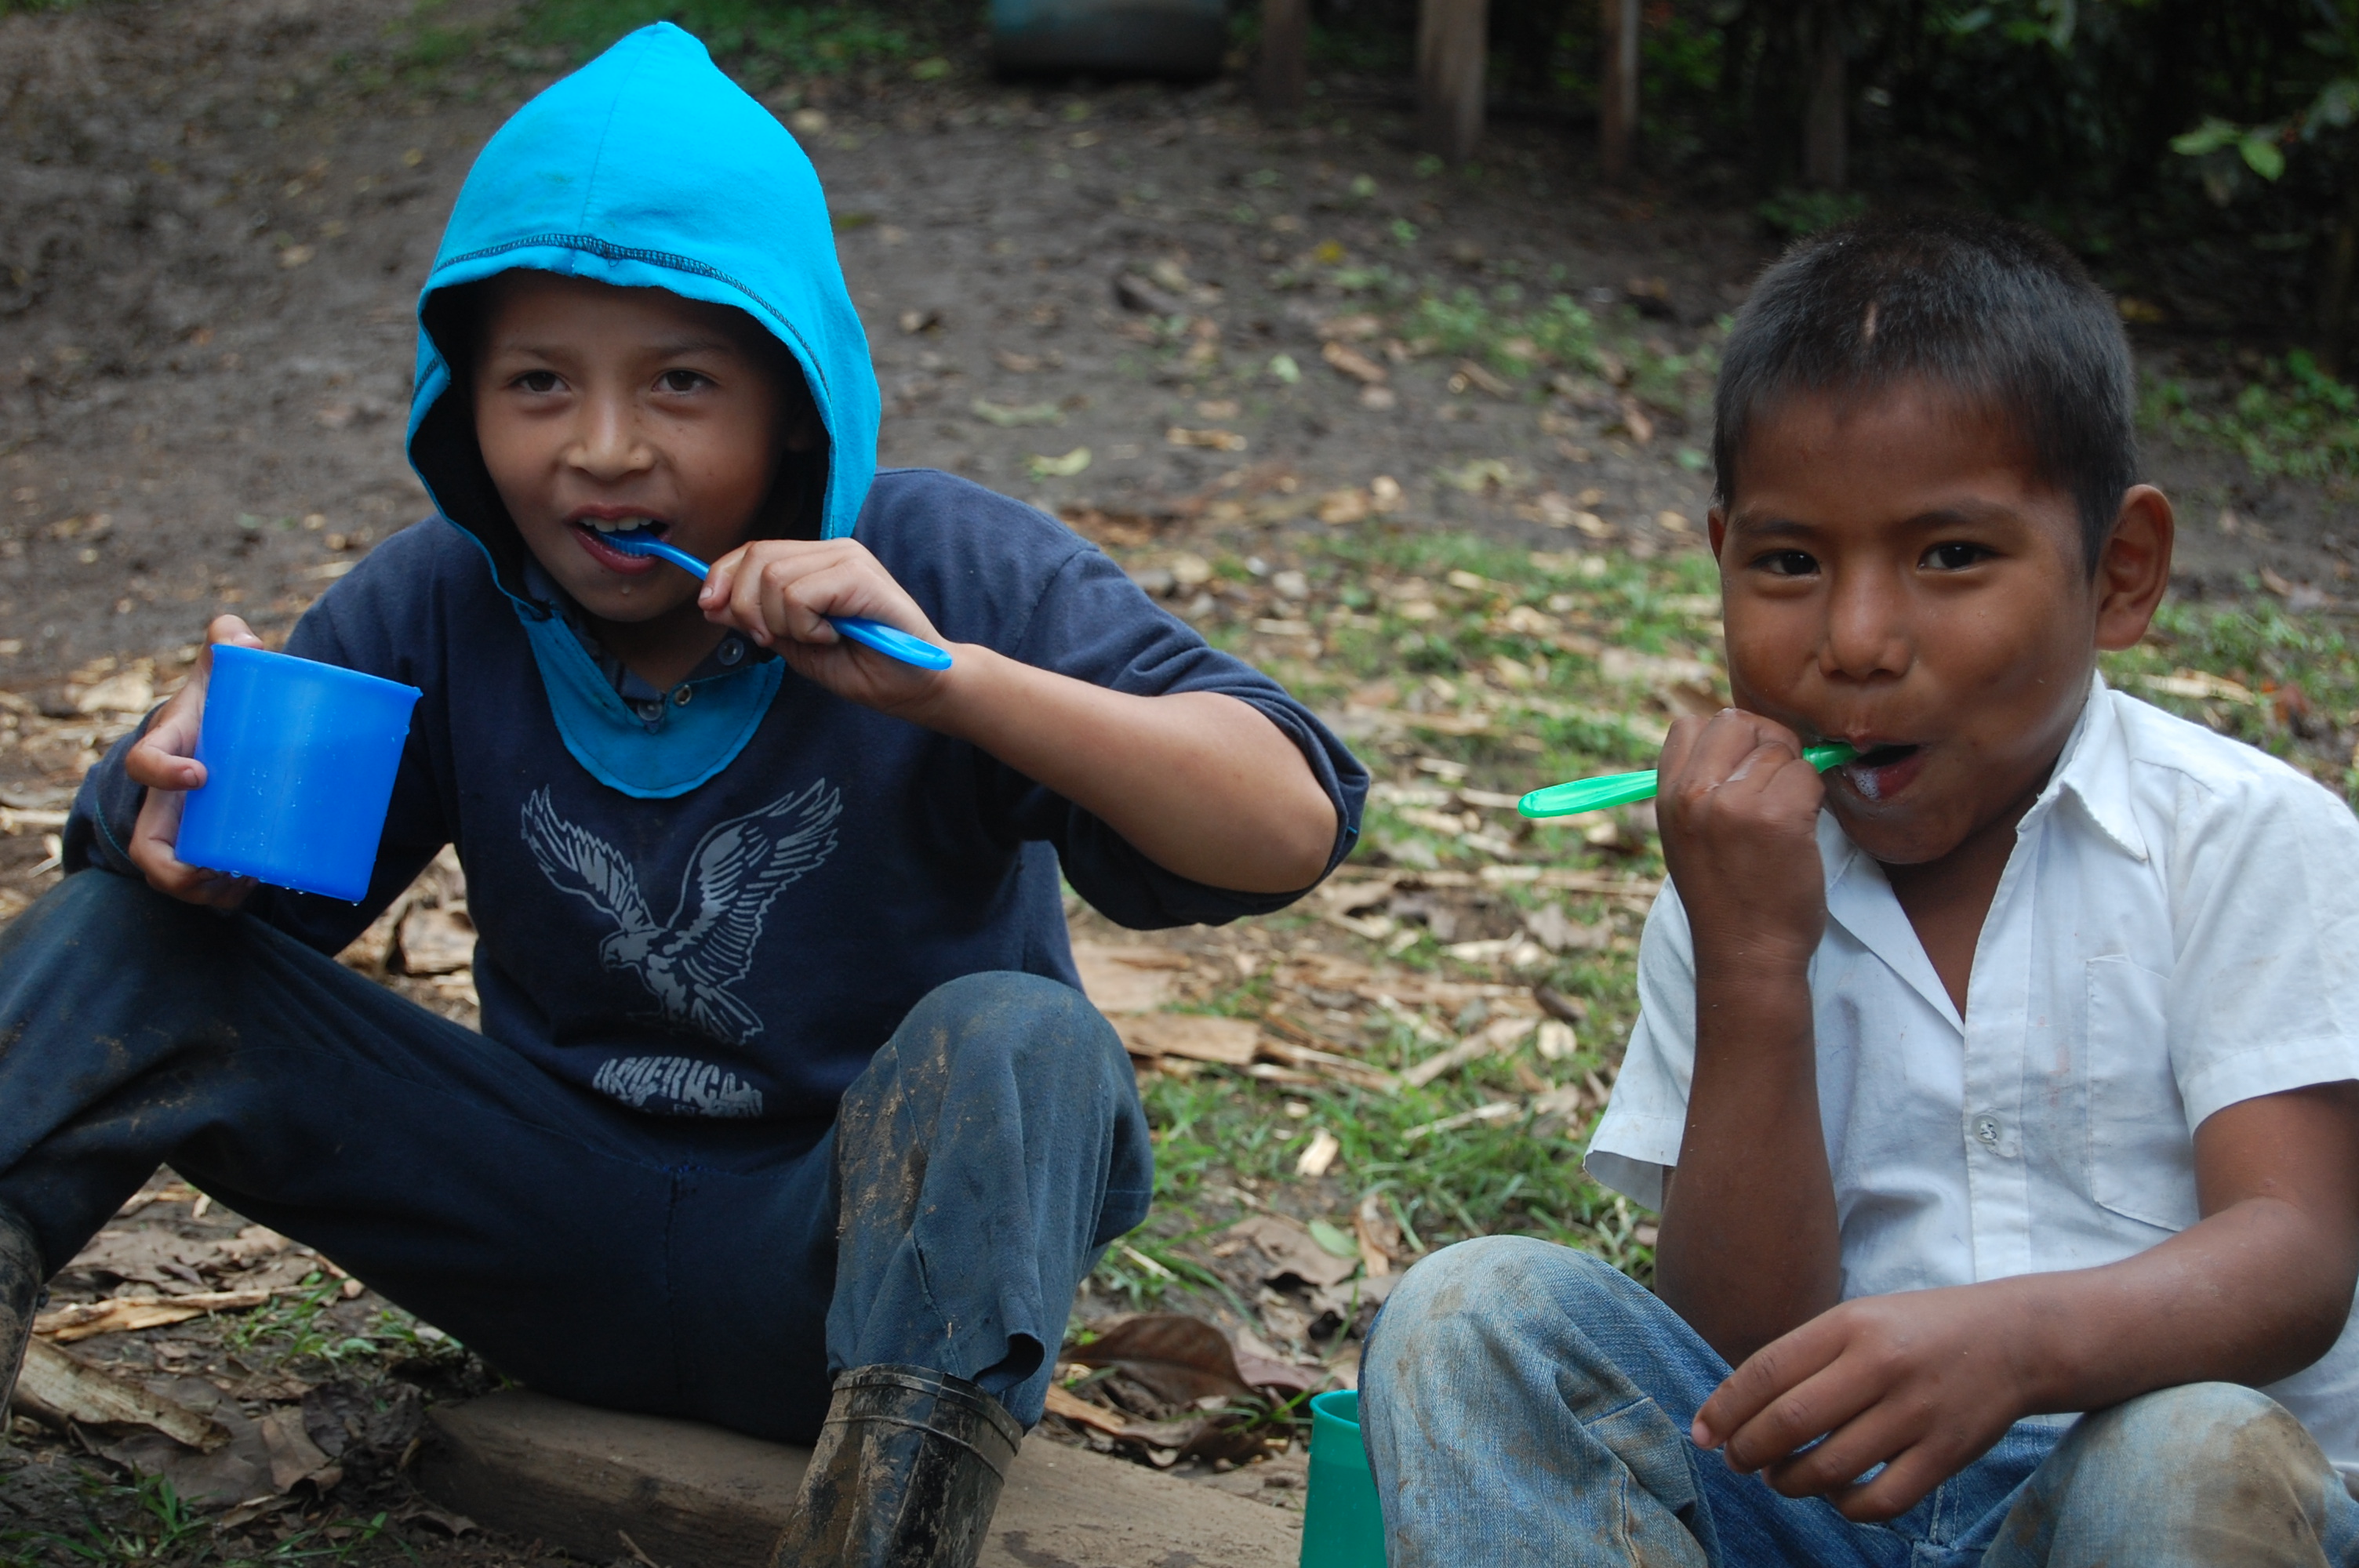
2177 930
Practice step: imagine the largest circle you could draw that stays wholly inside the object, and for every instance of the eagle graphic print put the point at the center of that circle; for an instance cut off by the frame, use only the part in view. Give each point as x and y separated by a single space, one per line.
689 963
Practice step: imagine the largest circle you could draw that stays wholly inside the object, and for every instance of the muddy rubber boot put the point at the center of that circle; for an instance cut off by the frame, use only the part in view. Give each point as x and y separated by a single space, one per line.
21 1278
906 1473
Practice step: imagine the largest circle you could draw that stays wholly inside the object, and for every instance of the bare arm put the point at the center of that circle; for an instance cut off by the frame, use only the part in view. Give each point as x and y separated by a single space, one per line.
1201 784
1749 1247
1924 1382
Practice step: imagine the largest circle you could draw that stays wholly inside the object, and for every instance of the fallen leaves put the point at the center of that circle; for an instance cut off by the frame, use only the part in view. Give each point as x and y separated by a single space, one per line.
1208 439
1174 1386
126 1314
1230 1041
58 1388
1292 1251
1133 979
1355 364
1012 416
1041 466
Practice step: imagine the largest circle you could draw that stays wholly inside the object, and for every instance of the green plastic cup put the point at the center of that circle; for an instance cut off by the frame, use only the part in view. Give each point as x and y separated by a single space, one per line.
1342 1524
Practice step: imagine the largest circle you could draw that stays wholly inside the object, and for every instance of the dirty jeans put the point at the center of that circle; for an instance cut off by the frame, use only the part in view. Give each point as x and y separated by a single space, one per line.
719 1271
1525 1404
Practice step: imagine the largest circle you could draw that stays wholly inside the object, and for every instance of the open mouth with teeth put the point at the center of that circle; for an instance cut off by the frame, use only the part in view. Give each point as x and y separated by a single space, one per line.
593 533
1878 772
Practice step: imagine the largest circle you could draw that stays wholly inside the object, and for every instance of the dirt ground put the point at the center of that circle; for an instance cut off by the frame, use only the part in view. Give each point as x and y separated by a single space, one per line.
211 236
211 232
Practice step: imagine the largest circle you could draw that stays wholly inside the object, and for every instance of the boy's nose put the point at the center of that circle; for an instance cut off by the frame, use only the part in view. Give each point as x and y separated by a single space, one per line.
608 443
1866 632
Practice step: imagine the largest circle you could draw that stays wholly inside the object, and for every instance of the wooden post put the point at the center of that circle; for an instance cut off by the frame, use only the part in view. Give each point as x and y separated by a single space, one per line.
1617 81
1826 138
1283 71
1453 36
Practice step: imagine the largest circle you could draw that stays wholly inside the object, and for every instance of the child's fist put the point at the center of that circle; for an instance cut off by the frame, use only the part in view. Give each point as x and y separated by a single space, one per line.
1739 810
780 593
164 761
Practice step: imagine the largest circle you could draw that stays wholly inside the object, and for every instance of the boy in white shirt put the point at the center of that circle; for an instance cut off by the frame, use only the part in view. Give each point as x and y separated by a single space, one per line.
2007 1072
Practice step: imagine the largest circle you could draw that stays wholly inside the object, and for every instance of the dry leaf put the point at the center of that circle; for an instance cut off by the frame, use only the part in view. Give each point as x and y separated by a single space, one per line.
1231 1042
1379 1235
1291 1251
437 941
1555 1040
1318 1158
1179 1359
294 1457
1127 979
58 1387
133 691
126 1314
1357 365
1211 441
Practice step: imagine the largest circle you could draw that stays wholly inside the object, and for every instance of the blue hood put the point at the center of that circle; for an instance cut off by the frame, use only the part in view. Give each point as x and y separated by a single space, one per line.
648 168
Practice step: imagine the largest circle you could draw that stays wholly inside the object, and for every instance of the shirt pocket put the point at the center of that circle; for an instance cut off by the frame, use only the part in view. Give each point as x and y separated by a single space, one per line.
2141 1156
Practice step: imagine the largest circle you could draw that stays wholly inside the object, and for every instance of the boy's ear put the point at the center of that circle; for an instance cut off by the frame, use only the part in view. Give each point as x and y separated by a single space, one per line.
1715 528
2134 569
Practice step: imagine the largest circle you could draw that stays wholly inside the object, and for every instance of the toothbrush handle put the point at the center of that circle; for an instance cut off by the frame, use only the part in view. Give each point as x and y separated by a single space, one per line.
1627 789
891 642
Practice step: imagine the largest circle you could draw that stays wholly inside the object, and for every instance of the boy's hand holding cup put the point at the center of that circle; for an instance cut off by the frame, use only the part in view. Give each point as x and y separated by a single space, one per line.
165 762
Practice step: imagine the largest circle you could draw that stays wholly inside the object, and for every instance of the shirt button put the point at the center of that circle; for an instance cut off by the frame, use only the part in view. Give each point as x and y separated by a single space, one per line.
732 651
1986 1129
651 711
680 698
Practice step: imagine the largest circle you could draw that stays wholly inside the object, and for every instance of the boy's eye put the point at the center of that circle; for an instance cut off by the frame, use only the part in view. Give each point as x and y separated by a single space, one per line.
1955 555
535 381
680 380
1787 562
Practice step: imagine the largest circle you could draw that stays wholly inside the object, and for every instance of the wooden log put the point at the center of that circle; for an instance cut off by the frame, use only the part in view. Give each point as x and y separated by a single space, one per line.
690 1496
1282 76
1618 105
1452 38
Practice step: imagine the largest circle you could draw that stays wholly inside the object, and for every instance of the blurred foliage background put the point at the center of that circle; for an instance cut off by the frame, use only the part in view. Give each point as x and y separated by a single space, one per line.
2200 153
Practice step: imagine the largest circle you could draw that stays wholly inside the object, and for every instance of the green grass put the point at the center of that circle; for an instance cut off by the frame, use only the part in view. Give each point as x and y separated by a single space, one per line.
2301 670
2290 419
147 1523
1408 616
300 1327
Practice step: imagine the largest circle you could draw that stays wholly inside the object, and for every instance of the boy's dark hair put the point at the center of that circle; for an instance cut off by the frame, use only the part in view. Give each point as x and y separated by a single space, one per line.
1997 313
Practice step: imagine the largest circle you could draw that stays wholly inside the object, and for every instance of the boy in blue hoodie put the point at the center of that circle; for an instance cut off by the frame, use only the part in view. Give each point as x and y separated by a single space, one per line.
787 1113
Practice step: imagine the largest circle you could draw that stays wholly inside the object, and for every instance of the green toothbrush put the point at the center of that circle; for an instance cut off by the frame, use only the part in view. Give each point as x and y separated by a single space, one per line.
1626 789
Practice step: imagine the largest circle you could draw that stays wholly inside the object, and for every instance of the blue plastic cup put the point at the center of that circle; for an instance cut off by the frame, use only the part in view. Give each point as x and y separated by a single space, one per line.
1342 1523
299 762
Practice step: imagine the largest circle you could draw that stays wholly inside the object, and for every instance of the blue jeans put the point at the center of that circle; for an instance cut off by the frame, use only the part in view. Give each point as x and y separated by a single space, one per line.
1526 1404
719 1271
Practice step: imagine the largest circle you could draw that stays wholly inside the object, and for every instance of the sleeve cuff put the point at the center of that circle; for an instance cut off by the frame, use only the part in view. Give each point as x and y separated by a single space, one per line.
2268 1069
1631 1154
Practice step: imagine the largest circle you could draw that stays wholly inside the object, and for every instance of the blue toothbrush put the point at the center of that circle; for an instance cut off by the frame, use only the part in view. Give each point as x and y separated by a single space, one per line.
889 640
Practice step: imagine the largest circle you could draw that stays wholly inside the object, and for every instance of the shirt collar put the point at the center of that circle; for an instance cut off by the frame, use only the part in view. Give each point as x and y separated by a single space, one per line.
2094 770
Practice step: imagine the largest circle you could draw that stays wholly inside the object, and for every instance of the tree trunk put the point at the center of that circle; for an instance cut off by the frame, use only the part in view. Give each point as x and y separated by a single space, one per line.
1617 99
1283 73
1452 36
2335 302
1825 137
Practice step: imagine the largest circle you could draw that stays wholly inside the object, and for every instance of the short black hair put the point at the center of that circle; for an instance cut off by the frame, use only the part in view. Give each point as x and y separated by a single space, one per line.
1997 313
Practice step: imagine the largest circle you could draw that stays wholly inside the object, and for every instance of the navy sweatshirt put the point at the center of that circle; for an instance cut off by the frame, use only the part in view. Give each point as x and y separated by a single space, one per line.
741 949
